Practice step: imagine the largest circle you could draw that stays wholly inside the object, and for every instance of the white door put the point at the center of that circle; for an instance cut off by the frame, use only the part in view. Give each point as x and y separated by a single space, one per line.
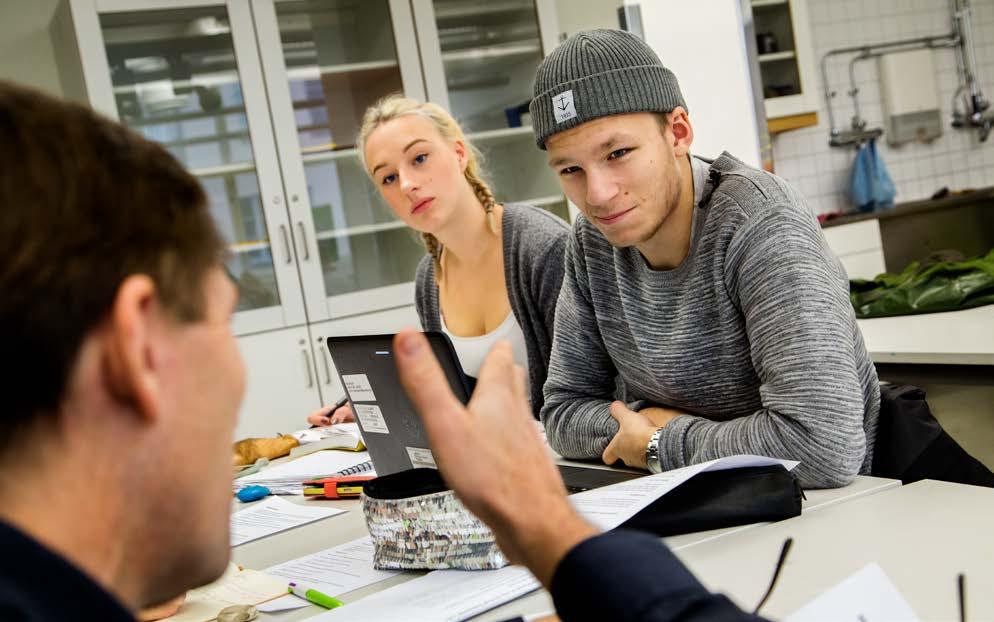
186 73
281 383
324 63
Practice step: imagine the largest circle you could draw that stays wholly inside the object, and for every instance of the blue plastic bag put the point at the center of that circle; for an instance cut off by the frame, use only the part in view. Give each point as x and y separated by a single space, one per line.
871 187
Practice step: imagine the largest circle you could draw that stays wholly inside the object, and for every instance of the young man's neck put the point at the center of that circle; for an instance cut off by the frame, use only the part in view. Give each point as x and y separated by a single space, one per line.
670 245
467 237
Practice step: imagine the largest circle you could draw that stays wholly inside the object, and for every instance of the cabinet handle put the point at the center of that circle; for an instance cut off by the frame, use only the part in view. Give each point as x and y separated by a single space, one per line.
327 370
303 239
307 366
286 244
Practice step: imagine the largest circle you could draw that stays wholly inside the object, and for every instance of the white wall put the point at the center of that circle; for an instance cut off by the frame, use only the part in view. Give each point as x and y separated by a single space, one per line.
703 43
26 53
957 159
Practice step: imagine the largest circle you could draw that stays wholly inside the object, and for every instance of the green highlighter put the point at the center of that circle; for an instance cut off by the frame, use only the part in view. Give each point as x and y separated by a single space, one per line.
313 595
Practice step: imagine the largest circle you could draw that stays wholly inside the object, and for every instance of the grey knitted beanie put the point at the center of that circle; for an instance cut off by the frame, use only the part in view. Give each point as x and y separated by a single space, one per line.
597 73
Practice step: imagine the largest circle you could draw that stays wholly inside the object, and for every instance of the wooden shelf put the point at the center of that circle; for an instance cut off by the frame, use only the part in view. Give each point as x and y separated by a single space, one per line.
797 121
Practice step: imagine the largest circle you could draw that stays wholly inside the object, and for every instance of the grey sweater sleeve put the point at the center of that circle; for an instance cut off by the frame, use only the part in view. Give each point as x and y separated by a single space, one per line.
794 297
426 295
581 381
548 281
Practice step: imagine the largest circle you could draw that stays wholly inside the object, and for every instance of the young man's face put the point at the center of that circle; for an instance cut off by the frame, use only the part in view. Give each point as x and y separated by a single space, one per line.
621 172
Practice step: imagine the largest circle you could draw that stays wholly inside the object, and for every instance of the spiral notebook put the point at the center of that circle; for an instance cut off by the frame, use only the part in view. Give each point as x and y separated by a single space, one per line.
364 468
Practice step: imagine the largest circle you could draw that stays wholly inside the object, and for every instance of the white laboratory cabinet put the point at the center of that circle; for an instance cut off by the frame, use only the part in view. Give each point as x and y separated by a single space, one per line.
261 100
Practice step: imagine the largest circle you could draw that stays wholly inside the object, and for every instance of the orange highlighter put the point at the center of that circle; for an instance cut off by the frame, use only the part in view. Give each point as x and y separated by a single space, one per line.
346 487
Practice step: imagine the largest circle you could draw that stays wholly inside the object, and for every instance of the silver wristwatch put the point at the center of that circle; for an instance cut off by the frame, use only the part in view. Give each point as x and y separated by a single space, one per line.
652 453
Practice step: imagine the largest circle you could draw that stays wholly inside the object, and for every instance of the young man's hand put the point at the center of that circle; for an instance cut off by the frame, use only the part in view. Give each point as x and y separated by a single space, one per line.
629 444
492 456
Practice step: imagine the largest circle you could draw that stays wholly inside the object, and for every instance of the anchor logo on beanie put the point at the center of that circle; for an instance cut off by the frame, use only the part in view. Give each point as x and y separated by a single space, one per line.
563 106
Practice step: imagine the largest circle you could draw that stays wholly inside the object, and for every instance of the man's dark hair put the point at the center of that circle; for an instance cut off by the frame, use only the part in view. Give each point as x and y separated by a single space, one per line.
84 203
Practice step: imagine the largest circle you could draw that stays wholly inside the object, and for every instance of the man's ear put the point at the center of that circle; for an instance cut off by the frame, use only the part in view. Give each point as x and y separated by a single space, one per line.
681 130
130 357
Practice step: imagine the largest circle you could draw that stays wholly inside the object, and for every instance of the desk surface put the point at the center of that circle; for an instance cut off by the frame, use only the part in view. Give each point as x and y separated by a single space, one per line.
921 535
951 338
329 532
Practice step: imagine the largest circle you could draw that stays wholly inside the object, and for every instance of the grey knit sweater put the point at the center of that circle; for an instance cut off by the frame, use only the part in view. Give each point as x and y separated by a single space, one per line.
753 334
533 240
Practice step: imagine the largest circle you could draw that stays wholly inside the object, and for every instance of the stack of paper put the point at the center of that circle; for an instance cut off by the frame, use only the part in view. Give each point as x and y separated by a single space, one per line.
287 478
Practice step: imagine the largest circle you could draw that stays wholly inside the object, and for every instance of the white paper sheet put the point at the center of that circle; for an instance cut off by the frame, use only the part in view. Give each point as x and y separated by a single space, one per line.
608 507
287 476
272 515
866 596
337 570
439 596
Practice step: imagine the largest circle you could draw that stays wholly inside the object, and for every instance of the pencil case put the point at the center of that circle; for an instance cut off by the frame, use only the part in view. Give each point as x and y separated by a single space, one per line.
417 523
718 499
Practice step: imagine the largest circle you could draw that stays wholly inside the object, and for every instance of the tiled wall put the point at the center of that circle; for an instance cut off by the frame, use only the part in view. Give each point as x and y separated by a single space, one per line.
957 159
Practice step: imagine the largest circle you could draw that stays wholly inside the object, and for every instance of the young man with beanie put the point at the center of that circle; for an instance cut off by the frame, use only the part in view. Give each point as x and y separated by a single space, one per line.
706 286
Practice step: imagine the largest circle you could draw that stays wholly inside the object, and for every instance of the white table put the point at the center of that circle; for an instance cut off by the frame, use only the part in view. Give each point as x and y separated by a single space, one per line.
921 535
329 532
952 338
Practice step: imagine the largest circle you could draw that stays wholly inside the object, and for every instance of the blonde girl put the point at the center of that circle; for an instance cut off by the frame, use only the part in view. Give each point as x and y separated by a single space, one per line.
491 271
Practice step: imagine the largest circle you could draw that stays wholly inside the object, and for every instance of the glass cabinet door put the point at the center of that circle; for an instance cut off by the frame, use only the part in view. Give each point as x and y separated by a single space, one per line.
176 80
480 61
326 61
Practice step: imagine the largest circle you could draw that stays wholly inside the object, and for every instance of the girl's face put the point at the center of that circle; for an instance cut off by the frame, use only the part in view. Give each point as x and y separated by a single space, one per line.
418 172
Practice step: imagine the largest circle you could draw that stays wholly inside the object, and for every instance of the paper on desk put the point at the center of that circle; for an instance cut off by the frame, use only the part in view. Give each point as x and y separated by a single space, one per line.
288 476
608 507
439 596
273 515
235 587
866 596
337 570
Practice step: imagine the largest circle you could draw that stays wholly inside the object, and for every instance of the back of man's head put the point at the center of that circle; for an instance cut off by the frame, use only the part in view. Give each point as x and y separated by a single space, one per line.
596 73
84 203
